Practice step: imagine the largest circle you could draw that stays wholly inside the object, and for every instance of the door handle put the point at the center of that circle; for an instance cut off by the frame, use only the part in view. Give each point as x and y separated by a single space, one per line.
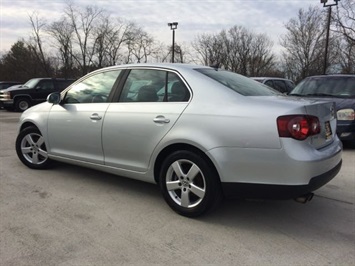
160 119
95 116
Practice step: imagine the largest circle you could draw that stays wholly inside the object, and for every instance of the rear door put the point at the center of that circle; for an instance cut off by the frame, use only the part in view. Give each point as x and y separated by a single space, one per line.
141 118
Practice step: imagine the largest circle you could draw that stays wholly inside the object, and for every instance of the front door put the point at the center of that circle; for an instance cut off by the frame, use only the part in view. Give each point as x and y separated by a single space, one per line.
75 126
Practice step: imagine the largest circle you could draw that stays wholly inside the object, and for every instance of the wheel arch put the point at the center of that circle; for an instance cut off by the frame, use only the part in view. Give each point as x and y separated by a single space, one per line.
176 147
28 124
26 96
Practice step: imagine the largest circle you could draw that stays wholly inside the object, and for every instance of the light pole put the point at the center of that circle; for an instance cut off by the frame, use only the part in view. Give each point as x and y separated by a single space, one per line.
324 2
173 27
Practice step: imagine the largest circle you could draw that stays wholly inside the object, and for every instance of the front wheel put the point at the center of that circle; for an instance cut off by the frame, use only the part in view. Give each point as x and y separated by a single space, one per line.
189 184
31 149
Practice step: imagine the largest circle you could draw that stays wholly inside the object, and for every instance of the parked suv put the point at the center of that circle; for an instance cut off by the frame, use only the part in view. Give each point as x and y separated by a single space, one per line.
336 88
32 92
280 84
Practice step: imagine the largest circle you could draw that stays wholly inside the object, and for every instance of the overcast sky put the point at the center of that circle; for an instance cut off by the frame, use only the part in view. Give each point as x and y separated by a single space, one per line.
194 16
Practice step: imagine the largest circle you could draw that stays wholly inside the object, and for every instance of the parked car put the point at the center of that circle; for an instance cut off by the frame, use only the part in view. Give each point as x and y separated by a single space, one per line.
201 133
335 88
6 84
32 92
280 84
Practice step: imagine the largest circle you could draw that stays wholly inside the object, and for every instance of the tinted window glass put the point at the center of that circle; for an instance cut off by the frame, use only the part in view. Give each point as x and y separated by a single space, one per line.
94 89
280 85
142 85
45 85
290 85
175 89
240 84
269 83
31 83
149 85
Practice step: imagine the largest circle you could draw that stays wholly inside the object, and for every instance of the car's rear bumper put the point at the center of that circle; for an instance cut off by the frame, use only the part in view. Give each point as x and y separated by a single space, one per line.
247 190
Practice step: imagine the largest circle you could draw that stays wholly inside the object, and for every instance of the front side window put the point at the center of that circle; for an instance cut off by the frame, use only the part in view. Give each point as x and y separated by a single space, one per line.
150 85
94 89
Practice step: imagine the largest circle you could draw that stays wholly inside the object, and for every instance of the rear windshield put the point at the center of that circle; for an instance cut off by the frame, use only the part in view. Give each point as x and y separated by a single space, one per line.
343 87
240 84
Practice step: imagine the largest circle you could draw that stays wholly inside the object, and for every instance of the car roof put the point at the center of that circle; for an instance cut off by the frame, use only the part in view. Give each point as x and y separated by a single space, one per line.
332 75
173 66
274 78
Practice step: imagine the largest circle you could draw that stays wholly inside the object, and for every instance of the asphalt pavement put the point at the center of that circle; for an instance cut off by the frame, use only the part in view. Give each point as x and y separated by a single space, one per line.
74 216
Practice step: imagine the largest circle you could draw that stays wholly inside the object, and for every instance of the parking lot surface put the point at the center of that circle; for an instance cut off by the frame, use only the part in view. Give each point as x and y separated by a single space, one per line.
74 216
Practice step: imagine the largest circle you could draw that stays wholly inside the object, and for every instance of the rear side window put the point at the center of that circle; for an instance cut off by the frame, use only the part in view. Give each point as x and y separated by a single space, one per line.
45 85
280 85
240 84
152 85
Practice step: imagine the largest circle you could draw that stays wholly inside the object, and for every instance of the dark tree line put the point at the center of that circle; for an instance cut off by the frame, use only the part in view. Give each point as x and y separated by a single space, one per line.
88 38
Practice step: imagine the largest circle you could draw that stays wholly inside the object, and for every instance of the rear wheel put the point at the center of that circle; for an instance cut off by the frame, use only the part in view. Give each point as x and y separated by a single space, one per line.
190 186
22 104
31 149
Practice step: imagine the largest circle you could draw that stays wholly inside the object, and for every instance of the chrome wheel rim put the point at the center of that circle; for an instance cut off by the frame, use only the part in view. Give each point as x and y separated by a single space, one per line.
185 183
33 149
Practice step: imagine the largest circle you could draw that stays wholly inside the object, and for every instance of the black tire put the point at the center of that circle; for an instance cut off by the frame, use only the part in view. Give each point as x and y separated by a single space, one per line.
31 149
22 104
189 184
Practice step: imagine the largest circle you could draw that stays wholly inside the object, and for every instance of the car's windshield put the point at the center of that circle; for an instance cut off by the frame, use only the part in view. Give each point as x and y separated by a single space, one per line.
31 83
326 86
242 85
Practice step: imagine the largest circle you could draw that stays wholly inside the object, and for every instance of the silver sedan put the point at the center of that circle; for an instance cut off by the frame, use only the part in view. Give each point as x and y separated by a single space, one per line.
199 132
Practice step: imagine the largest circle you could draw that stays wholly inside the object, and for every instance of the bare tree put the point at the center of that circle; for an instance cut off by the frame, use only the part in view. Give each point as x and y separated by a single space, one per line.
62 32
36 43
140 45
345 20
211 49
345 27
83 22
304 44
110 37
237 49
262 59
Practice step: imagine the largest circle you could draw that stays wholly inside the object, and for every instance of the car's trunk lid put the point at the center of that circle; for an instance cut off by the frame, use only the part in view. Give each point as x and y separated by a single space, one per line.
326 113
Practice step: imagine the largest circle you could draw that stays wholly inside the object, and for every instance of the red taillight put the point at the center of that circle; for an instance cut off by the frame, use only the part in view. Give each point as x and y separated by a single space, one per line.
298 126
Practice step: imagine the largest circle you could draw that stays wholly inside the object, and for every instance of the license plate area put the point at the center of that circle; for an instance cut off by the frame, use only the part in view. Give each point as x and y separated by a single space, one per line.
328 130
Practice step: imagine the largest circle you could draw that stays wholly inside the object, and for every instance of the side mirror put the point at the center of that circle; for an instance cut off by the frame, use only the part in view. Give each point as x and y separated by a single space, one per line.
54 98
